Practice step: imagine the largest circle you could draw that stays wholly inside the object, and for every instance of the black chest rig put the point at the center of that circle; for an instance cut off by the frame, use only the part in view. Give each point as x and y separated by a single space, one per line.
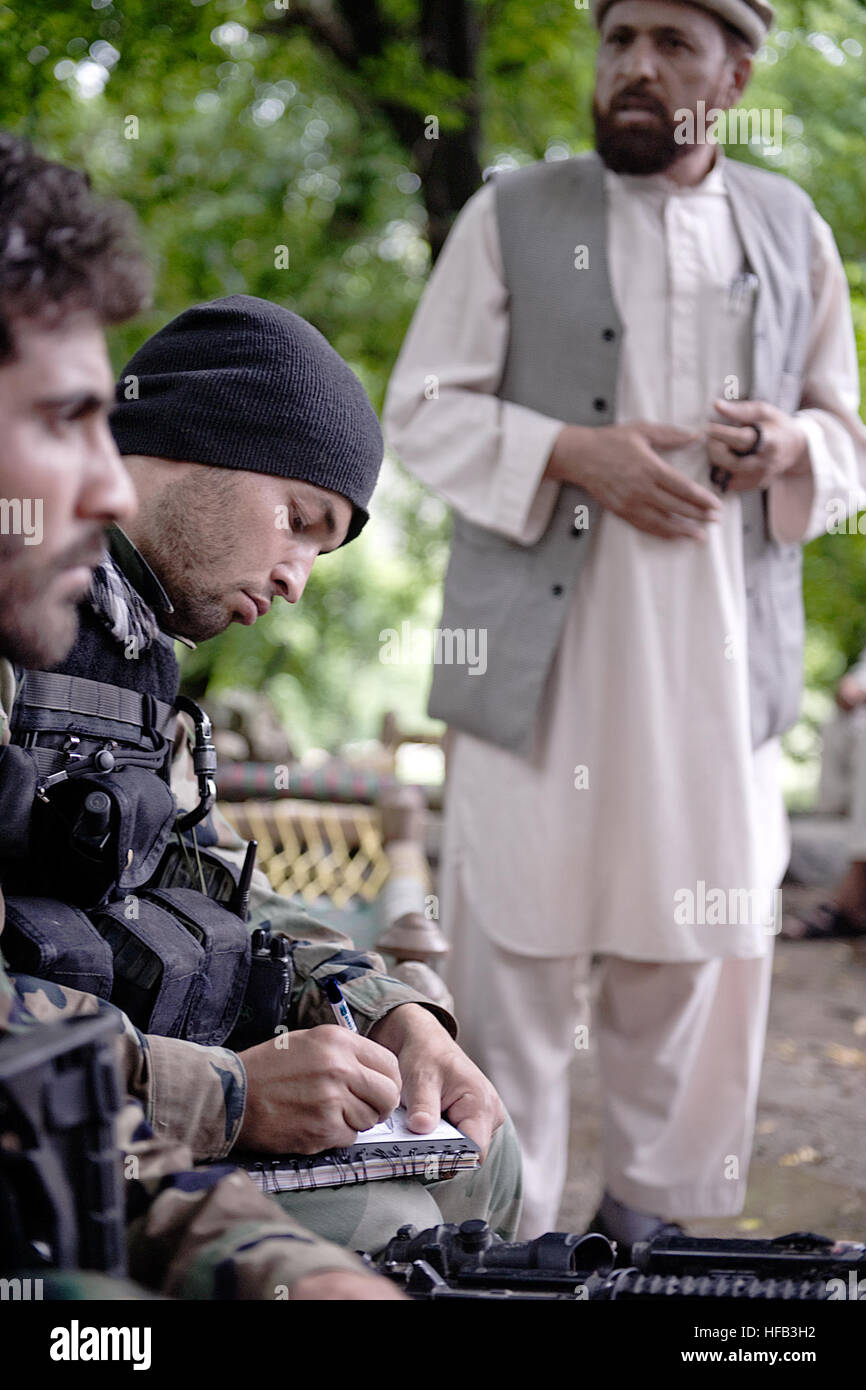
113 892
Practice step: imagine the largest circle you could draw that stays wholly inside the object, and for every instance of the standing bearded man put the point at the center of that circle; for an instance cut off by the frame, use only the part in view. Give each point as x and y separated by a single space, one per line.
633 376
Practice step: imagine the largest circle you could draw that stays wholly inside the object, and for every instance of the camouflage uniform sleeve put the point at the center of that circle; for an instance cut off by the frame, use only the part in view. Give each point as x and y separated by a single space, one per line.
14 1017
193 1233
190 1093
320 952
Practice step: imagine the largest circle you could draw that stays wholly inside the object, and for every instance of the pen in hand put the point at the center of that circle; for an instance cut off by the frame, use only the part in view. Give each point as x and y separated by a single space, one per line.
339 1007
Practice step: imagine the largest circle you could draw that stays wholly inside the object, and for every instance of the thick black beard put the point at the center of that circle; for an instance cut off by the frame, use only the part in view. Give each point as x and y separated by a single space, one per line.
633 151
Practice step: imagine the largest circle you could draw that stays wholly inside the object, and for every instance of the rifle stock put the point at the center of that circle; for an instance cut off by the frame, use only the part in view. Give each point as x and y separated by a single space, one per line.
61 1188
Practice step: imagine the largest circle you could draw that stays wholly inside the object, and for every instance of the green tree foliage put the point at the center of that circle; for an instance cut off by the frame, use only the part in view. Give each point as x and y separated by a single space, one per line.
301 131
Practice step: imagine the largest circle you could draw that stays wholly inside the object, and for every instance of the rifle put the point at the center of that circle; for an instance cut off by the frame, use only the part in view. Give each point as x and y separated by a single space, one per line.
61 1189
469 1261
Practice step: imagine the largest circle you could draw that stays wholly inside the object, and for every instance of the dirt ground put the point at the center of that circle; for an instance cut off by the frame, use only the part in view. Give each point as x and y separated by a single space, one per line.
808 1170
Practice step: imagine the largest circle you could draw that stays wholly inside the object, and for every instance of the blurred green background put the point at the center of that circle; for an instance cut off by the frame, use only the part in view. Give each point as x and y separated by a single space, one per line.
235 129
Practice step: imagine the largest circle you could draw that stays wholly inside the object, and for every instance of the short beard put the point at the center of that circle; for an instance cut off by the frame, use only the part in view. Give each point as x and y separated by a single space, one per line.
32 637
198 616
631 150
36 631
175 534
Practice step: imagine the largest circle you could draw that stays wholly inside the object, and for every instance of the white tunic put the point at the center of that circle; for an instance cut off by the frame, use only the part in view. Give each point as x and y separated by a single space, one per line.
643 825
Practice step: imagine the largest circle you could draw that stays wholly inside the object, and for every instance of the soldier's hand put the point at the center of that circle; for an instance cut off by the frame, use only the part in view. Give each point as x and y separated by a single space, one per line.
340 1285
620 467
438 1077
315 1089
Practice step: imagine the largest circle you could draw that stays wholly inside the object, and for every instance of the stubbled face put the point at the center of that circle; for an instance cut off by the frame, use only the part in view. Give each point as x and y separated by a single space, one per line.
61 482
225 543
655 59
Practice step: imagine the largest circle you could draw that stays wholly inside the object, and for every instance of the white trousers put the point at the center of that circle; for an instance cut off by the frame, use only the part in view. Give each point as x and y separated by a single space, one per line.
679 1048
857 827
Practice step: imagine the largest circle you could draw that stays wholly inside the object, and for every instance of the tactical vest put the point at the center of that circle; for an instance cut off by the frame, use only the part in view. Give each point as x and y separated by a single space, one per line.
562 361
111 891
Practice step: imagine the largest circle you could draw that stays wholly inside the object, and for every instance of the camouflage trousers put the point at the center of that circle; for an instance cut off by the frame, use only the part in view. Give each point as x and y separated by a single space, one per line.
364 1216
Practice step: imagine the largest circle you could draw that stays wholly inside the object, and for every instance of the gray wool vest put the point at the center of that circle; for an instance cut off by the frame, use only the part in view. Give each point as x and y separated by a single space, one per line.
562 360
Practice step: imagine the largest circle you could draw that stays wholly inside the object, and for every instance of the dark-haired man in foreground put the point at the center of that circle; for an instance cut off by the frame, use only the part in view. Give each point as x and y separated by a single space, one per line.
68 268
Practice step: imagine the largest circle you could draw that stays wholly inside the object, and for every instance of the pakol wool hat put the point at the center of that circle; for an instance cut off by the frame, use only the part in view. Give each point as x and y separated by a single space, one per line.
752 18
244 383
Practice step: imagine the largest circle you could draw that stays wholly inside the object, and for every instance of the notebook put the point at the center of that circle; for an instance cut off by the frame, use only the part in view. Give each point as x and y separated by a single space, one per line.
388 1150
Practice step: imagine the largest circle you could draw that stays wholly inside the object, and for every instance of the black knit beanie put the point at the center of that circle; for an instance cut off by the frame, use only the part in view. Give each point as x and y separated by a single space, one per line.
243 383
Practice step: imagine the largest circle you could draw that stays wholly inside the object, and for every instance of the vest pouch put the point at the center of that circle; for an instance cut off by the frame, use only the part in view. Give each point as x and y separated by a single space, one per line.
18 777
87 855
55 941
157 964
205 872
224 940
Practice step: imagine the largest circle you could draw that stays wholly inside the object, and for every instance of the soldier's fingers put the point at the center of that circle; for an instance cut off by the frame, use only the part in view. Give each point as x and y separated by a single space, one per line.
474 1120
379 1093
422 1096
378 1058
358 1115
325 1130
